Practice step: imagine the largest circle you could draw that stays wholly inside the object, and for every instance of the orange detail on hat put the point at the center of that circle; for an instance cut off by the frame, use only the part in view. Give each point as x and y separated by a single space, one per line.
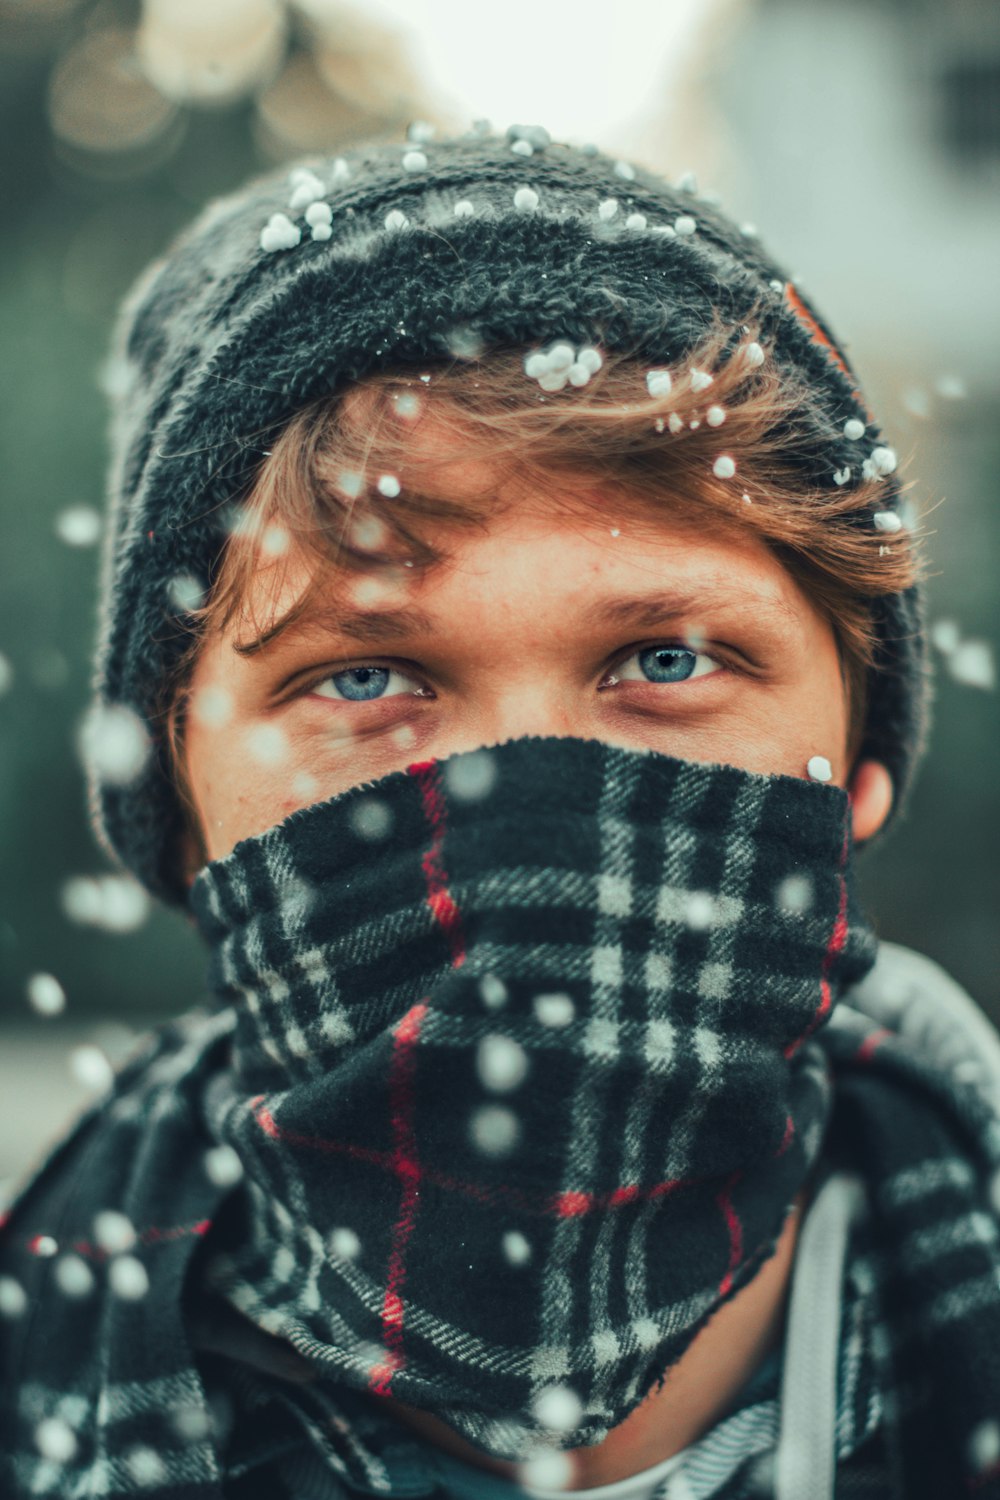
817 336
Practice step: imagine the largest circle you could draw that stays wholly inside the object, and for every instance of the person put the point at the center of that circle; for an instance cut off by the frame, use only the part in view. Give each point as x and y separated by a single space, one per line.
511 638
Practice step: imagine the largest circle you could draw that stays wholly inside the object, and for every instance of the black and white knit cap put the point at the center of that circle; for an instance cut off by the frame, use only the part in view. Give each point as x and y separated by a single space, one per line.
396 254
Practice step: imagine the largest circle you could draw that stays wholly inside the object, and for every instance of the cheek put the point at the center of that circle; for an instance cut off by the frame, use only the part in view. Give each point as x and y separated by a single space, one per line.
235 807
818 724
233 793
779 728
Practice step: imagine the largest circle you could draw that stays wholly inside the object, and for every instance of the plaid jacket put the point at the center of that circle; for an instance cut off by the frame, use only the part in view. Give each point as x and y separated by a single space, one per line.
107 1395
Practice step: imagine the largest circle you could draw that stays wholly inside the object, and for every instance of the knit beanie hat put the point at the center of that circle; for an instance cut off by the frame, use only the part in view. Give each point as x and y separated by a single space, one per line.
298 285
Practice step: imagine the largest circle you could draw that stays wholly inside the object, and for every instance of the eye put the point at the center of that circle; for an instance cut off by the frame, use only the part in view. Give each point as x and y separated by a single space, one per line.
668 663
363 684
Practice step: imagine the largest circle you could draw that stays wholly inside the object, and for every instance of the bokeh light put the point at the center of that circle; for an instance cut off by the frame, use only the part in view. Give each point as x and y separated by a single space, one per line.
210 53
100 100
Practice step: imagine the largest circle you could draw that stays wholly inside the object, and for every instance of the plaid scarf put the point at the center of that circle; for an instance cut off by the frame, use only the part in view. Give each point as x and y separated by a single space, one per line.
521 1103
544 876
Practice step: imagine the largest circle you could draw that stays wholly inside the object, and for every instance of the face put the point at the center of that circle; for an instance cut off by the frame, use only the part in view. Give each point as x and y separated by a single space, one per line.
592 625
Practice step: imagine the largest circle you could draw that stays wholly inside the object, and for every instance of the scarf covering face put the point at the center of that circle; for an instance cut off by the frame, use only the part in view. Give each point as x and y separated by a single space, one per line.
106 1390
522 1080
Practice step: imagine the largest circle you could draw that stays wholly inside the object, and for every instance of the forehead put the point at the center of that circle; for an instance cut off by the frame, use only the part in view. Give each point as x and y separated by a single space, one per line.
533 554
600 526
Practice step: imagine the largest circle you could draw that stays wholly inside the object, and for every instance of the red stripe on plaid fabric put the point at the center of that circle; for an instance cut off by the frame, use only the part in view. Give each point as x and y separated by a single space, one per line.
153 1234
439 898
265 1119
735 1227
838 937
573 1205
564 1205
406 1165
871 1044
803 316
787 1138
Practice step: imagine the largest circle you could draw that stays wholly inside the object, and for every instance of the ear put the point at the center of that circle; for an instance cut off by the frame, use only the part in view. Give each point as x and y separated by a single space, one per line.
870 790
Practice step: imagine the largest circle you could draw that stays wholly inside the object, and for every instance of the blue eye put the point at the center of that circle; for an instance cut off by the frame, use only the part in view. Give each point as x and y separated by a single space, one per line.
666 664
363 684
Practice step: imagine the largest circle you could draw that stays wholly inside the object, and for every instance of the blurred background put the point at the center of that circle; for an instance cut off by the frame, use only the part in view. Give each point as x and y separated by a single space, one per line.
863 139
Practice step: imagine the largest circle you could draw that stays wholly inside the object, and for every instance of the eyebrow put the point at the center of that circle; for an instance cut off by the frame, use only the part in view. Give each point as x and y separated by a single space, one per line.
646 610
715 594
367 625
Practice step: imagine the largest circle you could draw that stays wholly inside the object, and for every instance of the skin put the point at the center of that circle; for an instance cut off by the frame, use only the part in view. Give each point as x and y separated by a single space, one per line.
514 640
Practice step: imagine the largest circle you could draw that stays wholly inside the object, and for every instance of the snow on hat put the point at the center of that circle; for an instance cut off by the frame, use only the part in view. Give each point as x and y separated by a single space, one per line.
299 284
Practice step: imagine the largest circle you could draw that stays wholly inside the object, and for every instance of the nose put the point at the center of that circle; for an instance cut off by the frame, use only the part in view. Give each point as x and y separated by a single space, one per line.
513 713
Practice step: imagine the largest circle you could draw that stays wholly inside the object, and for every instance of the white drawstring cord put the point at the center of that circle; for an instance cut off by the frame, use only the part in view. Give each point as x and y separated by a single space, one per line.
806 1456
